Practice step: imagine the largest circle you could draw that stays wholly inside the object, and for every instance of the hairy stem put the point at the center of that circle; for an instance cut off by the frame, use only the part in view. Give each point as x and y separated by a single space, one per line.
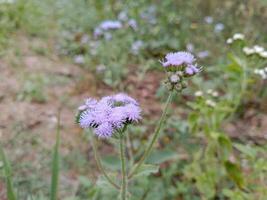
100 167
154 138
123 168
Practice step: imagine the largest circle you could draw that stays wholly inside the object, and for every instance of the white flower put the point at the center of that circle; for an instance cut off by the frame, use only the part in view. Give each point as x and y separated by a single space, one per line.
198 93
215 94
248 51
238 36
209 91
210 103
258 49
263 54
229 41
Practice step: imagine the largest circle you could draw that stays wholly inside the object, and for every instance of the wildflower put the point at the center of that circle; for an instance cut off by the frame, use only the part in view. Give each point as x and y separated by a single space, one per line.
109 114
248 51
198 93
133 24
258 49
110 24
229 41
215 94
97 32
263 54
100 68
261 72
179 65
238 36
203 54
190 47
136 46
79 59
178 58
218 27
85 39
208 19
174 78
210 103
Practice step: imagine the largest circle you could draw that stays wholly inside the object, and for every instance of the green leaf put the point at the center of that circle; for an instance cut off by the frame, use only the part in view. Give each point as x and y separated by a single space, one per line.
247 150
225 146
158 157
55 165
235 173
146 170
111 162
8 175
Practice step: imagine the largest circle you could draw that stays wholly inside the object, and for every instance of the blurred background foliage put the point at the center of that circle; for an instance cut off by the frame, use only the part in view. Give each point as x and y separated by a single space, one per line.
199 156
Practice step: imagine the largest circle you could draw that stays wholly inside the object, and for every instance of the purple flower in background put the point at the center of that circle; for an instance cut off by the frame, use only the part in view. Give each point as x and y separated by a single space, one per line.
178 58
208 19
136 46
203 54
110 24
133 24
191 70
109 114
79 59
218 27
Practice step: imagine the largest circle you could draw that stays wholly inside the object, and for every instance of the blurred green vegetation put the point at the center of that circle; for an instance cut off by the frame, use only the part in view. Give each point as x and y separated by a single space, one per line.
198 159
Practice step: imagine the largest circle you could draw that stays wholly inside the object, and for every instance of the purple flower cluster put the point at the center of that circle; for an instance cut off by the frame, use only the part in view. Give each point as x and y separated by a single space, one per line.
181 61
109 114
105 26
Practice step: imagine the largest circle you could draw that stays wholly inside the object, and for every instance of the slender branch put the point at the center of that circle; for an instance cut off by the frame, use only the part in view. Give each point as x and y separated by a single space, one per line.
123 168
154 138
99 165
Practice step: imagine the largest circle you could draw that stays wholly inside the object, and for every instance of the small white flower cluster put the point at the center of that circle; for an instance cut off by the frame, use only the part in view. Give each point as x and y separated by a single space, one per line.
211 92
236 36
255 50
261 72
210 103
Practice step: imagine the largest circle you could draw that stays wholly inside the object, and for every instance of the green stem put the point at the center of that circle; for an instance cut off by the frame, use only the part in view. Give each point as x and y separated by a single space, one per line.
154 138
123 168
100 167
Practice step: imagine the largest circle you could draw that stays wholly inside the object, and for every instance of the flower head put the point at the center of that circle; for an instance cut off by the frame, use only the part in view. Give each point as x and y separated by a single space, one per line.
178 58
179 65
110 24
109 114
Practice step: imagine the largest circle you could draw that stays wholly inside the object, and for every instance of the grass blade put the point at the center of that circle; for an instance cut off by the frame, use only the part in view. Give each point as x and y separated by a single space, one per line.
8 174
55 164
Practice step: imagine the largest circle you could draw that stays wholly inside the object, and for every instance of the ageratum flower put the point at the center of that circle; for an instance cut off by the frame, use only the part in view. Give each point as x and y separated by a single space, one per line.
179 65
109 114
110 24
178 58
181 61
